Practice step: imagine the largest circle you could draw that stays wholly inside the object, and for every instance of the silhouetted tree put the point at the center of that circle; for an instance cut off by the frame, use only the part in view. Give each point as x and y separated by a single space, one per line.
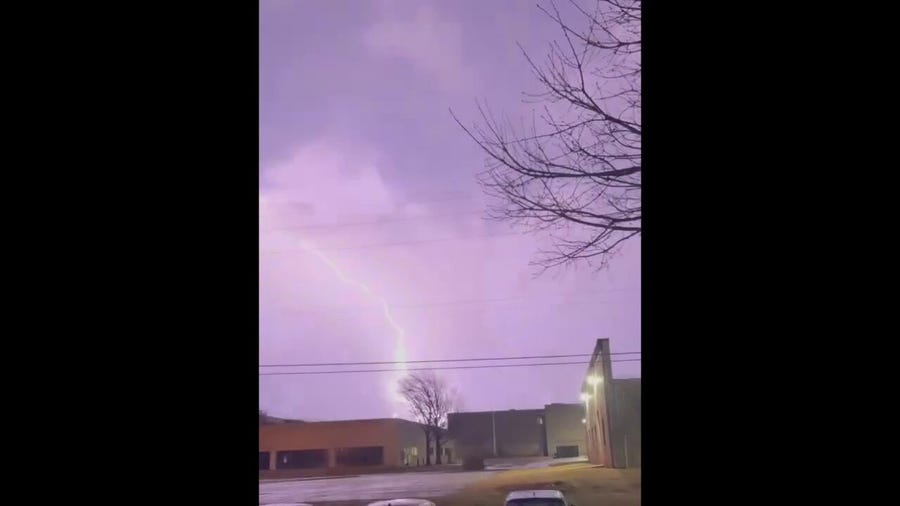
574 169
429 401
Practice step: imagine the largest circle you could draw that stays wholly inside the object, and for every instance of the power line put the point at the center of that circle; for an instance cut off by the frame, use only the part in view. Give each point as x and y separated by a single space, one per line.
432 361
399 243
436 368
319 226
351 307
433 199
424 306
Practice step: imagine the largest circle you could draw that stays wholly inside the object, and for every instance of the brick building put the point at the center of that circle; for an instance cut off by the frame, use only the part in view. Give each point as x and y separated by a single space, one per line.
613 409
301 445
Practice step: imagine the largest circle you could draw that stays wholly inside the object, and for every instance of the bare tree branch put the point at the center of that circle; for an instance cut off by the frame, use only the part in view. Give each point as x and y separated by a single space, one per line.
577 169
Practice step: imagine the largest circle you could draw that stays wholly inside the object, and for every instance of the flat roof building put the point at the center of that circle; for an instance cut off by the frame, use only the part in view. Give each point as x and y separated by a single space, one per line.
557 430
313 446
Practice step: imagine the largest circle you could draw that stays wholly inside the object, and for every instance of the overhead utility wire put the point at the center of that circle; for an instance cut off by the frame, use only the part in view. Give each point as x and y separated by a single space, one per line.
493 366
432 361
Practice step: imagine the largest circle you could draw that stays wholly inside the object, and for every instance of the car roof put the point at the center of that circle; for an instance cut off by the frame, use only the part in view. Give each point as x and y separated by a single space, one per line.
402 502
543 494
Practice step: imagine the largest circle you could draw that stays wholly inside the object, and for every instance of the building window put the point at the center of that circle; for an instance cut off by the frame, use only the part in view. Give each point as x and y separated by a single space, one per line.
264 461
301 459
360 456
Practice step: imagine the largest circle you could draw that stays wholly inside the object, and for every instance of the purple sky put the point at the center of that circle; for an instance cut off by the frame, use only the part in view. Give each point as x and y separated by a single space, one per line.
354 128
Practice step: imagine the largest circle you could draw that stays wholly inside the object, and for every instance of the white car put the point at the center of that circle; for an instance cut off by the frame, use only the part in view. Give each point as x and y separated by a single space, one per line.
537 498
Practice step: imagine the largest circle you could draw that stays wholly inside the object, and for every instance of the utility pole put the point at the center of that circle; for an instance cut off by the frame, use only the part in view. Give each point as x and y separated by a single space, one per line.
494 433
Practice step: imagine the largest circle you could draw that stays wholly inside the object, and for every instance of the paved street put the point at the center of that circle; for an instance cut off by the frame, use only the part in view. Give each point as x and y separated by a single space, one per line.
367 487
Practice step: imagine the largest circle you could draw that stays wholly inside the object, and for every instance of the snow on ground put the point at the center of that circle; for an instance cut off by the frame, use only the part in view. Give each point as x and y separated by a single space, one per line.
371 487
529 463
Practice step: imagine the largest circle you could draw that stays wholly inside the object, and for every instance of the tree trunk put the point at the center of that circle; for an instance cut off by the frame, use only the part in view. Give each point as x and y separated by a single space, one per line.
437 446
427 448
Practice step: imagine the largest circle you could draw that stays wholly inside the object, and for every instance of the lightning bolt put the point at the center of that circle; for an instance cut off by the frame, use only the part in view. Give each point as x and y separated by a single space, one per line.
399 333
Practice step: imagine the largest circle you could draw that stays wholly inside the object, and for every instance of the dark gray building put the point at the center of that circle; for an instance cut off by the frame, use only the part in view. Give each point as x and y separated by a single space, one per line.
556 430
564 426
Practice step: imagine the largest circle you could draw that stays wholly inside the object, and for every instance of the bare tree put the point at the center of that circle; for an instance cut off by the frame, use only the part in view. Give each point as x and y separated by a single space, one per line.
429 402
574 169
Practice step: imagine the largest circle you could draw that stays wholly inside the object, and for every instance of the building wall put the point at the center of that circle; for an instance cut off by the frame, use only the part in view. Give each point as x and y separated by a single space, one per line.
564 427
613 414
449 448
626 426
411 435
597 405
471 433
518 433
330 436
